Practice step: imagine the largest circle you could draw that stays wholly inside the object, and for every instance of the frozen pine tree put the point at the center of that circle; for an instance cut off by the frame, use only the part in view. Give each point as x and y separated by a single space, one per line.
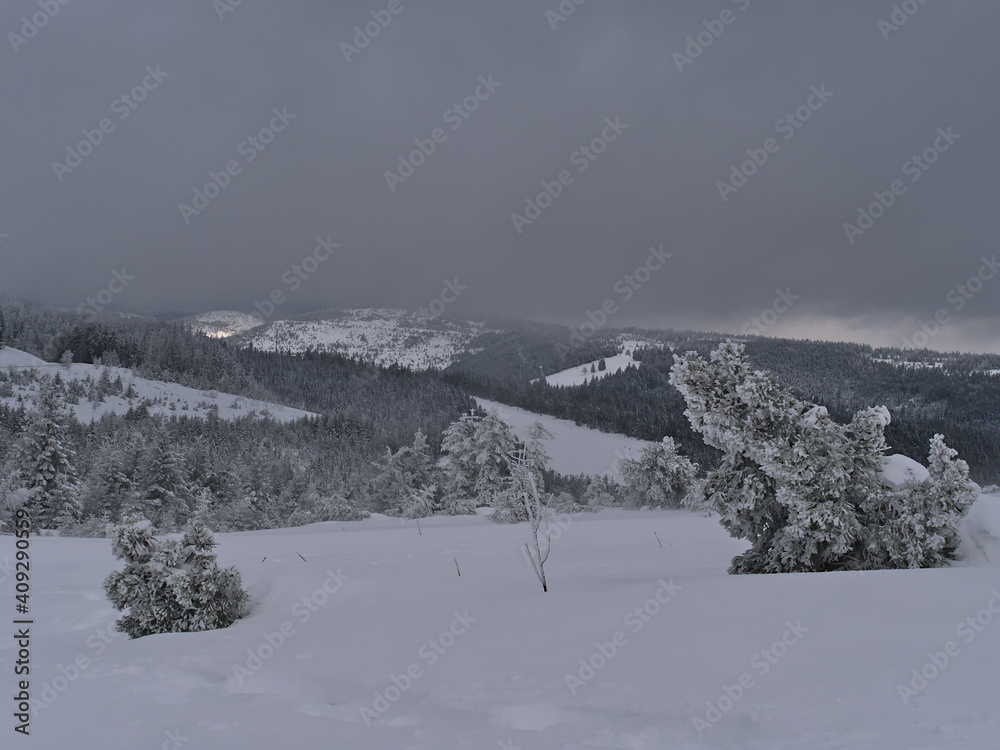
173 585
458 468
404 482
921 528
163 489
602 492
788 481
808 493
494 444
45 465
525 466
660 477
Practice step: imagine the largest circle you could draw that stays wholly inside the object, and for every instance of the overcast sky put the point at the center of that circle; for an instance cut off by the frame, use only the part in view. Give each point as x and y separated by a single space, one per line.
864 100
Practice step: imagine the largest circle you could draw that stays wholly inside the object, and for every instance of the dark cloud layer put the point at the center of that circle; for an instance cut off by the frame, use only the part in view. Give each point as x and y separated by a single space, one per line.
656 183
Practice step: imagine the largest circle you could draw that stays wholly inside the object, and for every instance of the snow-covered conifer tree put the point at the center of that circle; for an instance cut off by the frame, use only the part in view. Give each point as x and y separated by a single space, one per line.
921 529
661 477
458 468
805 491
45 466
171 586
163 485
602 492
405 482
494 444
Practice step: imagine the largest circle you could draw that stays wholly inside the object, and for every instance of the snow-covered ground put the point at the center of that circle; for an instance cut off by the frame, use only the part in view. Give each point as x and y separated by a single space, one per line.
380 336
486 661
581 374
163 398
574 449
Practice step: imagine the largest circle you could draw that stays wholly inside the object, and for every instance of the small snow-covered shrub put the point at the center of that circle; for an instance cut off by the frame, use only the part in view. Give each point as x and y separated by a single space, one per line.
602 492
661 477
173 585
509 505
921 527
339 508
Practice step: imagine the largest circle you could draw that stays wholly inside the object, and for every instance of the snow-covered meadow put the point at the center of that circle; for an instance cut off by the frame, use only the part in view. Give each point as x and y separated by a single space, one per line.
363 635
573 449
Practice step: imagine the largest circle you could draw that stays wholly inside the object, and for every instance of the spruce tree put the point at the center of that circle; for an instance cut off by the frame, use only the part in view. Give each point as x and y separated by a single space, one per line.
660 477
494 445
46 466
165 494
458 468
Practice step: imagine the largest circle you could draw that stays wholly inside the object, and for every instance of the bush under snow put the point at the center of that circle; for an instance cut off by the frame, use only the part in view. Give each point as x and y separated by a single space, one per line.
172 585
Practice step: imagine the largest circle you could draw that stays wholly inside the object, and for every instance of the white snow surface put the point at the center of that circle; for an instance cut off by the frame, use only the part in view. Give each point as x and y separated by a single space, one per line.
502 683
900 469
161 397
582 375
380 336
574 449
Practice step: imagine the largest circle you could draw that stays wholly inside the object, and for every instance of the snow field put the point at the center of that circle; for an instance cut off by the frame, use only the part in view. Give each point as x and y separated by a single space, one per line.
574 449
635 646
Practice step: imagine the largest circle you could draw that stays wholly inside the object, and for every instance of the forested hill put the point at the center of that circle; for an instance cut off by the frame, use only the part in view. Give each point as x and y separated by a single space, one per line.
926 392
388 404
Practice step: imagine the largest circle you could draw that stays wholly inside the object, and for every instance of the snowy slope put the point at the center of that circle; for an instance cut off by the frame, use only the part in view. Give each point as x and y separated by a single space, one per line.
162 398
574 449
582 375
502 681
380 336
